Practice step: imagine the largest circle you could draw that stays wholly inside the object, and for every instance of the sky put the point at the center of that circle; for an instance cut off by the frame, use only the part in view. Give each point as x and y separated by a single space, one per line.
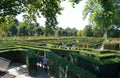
70 17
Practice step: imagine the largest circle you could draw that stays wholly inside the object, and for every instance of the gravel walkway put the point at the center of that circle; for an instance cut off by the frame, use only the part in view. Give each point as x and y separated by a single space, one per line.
22 73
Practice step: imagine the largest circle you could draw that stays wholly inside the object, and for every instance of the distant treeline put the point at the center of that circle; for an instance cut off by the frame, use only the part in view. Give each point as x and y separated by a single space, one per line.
16 28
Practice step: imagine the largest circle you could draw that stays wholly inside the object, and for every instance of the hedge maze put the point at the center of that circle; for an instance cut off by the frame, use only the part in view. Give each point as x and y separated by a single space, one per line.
66 60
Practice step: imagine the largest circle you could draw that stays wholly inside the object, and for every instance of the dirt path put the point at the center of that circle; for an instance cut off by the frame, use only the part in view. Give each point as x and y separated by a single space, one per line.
15 70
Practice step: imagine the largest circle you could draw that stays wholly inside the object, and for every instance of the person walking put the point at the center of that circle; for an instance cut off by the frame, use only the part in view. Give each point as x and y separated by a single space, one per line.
41 60
45 64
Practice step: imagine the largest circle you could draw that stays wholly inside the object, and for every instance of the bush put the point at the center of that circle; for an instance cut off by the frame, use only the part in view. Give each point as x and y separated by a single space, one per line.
31 62
112 45
62 68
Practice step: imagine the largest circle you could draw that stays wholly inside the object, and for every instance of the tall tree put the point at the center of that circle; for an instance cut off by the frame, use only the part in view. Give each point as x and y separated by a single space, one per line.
74 32
13 28
23 29
79 33
97 32
47 8
87 31
102 13
4 26
39 31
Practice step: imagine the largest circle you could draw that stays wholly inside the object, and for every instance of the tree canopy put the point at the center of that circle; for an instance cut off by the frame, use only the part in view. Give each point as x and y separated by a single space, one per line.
103 13
47 8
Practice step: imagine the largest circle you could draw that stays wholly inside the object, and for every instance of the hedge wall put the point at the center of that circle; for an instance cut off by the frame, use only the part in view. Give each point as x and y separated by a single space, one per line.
64 69
31 62
97 67
112 44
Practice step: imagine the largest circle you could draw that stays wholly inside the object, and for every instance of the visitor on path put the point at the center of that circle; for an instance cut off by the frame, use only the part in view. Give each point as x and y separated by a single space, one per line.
72 46
45 64
40 60
63 44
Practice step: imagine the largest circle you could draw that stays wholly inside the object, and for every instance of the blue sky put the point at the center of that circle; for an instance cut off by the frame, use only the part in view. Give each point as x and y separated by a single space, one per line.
71 17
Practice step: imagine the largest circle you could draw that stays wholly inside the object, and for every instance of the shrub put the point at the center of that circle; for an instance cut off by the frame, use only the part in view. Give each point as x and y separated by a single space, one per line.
62 68
31 62
112 45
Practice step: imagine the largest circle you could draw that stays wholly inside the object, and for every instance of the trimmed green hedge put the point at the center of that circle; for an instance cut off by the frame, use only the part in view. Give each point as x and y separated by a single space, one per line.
112 44
103 69
62 68
31 62
15 55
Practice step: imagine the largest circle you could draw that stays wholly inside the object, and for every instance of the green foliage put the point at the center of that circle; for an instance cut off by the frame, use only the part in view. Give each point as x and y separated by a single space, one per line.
87 31
49 9
112 44
69 65
64 68
39 31
33 9
14 28
4 25
11 7
97 32
102 13
105 69
31 62
79 33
